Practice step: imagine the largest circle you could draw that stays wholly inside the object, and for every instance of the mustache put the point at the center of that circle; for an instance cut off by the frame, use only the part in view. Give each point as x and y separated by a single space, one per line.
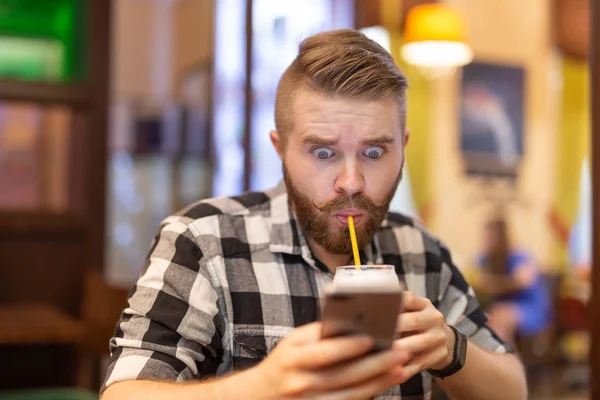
359 201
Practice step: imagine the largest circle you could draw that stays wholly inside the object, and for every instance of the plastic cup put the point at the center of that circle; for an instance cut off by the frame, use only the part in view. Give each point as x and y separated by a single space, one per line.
380 278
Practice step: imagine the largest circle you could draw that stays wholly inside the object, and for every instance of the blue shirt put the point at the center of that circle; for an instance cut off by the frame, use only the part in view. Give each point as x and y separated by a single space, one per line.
533 301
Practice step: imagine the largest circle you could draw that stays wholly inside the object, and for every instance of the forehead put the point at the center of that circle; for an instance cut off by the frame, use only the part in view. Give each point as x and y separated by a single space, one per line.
318 113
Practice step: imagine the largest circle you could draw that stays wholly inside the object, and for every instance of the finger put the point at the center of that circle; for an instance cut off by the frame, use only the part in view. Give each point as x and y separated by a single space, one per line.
309 333
359 371
419 320
367 389
413 302
423 342
328 352
423 362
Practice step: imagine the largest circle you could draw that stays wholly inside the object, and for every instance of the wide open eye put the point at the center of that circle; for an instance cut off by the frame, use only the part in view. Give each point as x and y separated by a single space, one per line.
323 153
374 152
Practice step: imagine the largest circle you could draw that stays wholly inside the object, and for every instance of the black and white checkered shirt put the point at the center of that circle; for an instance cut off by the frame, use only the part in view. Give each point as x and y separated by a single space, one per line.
228 278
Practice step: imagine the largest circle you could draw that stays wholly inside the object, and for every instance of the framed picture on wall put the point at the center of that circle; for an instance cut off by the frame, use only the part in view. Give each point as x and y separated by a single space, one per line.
492 119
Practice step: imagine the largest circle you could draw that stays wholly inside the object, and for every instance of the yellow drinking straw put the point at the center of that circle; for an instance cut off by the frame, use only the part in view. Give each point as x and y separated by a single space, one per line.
354 244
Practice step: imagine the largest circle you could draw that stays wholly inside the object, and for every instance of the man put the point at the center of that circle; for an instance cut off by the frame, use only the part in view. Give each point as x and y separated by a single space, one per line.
229 279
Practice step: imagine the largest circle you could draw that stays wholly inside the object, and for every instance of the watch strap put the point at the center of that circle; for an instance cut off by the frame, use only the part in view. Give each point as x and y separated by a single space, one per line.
458 358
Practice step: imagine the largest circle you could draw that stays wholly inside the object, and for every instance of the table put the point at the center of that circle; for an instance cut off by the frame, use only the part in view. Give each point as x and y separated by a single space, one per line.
37 324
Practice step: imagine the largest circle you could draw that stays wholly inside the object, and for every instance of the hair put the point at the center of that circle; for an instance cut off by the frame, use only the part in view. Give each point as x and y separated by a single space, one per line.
340 63
497 258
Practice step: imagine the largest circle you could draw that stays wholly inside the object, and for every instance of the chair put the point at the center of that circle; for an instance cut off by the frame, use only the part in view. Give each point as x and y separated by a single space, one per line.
102 306
540 352
39 323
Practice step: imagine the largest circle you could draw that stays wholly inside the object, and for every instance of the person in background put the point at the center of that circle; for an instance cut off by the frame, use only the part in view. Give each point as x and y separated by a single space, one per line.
518 299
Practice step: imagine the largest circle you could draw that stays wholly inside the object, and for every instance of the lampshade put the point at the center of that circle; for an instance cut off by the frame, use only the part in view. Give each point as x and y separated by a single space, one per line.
435 36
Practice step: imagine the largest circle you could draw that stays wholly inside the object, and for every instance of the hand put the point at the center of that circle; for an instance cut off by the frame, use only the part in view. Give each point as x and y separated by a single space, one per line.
304 366
424 335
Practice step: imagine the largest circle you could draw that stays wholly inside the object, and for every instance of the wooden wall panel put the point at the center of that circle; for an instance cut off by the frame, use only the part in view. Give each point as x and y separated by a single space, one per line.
368 12
571 27
43 270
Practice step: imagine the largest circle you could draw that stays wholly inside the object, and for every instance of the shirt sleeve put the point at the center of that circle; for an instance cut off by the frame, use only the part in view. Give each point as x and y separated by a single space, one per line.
459 305
481 260
165 333
518 259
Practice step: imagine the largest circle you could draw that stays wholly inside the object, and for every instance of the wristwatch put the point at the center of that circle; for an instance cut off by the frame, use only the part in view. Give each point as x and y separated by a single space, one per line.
458 360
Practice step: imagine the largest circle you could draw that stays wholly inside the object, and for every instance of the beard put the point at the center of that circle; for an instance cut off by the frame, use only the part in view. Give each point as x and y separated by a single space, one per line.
314 219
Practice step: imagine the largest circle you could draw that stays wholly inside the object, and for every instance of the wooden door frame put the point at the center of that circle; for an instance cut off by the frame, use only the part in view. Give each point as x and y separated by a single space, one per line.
99 22
594 358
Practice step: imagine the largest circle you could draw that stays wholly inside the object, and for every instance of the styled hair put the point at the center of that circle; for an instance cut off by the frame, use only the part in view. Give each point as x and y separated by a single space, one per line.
340 63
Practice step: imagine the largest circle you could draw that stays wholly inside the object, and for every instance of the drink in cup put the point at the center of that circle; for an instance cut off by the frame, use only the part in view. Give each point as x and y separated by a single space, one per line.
378 278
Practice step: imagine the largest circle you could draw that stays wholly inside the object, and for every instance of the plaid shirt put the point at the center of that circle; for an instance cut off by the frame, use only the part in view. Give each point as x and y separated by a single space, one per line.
228 278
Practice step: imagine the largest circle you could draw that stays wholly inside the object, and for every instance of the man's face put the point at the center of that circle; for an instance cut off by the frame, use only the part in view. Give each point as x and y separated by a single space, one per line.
343 157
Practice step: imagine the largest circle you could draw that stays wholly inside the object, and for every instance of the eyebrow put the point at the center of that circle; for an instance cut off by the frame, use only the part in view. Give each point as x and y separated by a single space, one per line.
378 141
321 141
317 140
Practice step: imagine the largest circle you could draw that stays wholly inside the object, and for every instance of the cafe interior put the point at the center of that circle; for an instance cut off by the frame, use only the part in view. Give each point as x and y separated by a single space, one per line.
116 113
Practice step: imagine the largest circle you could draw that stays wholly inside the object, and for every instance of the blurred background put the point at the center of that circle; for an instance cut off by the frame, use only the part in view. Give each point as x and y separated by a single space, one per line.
114 114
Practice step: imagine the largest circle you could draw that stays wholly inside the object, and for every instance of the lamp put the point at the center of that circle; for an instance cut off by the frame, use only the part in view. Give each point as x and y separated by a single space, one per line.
435 38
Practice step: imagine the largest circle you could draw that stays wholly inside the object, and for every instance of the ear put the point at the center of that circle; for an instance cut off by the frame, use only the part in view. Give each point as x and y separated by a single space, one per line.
276 140
406 136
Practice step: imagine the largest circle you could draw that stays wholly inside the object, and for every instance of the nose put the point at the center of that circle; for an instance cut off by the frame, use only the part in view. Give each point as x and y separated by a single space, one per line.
350 181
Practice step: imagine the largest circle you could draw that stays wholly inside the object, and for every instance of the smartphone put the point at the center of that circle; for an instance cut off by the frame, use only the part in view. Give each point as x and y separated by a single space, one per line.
373 313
